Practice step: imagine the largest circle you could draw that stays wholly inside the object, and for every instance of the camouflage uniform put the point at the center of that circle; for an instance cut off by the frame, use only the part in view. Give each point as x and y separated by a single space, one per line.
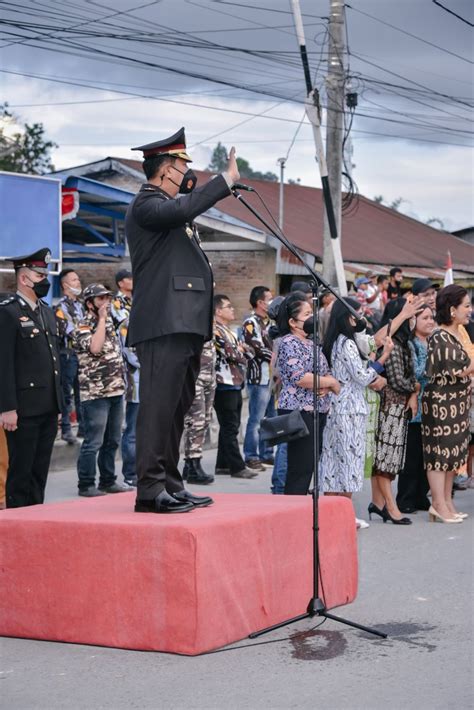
102 384
99 375
69 312
120 308
198 418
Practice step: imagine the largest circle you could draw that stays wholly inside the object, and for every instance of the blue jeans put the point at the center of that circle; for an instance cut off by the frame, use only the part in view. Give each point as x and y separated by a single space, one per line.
260 402
279 469
102 420
128 442
70 386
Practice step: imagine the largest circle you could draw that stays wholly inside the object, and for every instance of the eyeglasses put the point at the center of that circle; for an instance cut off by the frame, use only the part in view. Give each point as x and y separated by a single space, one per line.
227 306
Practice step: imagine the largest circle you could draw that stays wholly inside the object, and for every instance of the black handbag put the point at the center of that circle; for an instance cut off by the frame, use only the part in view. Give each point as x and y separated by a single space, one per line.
284 427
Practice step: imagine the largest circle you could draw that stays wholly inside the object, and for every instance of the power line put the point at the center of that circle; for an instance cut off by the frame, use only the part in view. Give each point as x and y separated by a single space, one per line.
81 24
409 34
241 123
451 12
387 136
411 81
245 113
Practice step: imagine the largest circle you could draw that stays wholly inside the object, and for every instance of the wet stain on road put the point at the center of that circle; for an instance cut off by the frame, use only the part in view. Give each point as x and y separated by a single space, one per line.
317 645
412 633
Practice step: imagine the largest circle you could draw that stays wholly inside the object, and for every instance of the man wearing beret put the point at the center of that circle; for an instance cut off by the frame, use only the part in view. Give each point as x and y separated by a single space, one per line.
171 315
30 387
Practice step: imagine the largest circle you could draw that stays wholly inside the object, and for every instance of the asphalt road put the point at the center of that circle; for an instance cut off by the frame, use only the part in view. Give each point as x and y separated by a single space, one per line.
416 584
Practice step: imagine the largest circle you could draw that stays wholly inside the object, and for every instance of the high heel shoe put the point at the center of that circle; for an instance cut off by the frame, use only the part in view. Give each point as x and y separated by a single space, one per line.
435 517
373 509
463 516
395 521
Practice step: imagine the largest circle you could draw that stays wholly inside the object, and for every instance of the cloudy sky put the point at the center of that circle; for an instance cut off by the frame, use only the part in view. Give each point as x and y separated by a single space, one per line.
104 77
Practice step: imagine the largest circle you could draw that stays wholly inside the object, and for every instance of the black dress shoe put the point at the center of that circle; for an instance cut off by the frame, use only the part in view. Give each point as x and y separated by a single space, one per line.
163 503
185 496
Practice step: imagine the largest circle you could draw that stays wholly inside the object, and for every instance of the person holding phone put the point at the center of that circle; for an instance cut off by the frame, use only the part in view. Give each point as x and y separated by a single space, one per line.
343 451
413 484
398 404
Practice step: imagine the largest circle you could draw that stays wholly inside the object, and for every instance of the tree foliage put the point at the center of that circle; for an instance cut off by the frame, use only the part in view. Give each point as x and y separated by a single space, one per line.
26 151
380 200
218 163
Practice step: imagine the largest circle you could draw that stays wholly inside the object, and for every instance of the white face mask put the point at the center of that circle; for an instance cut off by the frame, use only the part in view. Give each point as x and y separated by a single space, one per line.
75 291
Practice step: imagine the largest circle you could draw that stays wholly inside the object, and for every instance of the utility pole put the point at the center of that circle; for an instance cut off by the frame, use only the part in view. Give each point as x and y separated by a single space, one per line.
334 127
333 267
282 162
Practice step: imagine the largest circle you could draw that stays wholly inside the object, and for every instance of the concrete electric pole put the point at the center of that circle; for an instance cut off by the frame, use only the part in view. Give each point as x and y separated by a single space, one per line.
334 127
333 267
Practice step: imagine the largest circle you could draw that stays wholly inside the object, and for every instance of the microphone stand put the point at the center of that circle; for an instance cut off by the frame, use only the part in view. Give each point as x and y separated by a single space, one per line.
316 605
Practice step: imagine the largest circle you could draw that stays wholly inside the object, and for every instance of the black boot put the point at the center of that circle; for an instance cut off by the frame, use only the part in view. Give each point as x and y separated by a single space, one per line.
195 473
187 469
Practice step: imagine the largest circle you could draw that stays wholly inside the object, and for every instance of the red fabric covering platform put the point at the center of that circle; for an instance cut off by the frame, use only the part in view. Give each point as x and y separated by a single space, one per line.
93 571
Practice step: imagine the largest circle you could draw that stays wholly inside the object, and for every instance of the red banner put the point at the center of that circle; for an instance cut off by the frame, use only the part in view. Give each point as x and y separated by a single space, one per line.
69 203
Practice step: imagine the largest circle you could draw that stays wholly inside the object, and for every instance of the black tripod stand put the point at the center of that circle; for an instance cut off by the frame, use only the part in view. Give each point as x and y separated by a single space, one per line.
316 605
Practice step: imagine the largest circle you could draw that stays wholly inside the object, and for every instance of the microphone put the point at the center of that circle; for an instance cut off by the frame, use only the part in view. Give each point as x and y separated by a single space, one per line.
239 186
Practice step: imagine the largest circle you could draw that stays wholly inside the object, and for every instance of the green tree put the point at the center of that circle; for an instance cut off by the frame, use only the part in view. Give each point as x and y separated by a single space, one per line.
218 159
435 220
26 151
218 163
380 200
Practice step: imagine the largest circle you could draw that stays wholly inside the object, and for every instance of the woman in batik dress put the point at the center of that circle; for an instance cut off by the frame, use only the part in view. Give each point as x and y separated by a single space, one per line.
446 402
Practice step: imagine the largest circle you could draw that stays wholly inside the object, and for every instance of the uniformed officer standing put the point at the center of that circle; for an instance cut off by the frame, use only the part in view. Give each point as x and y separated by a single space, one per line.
171 313
30 388
198 418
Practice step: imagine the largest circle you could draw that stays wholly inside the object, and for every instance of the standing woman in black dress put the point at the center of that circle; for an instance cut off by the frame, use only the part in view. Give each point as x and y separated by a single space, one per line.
398 404
446 402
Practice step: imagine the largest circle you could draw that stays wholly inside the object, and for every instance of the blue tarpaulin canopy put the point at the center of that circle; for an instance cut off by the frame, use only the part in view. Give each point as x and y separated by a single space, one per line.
97 232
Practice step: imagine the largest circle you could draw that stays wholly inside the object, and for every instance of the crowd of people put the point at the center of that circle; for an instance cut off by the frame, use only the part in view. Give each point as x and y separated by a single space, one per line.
394 397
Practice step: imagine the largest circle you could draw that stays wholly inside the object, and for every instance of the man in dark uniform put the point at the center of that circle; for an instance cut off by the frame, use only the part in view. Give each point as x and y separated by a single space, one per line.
30 388
171 313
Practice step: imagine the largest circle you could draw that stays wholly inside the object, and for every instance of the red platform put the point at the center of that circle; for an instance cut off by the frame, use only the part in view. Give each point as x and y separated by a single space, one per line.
92 571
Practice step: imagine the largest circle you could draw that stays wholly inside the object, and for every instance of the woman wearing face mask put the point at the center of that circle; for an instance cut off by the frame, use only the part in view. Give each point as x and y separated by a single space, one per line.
446 401
295 365
345 347
412 483
398 404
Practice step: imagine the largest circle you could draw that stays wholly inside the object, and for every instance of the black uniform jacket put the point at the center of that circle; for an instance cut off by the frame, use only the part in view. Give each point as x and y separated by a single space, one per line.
29 358
172 278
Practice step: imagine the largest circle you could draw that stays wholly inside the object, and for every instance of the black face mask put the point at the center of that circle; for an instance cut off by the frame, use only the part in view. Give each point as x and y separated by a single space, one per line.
188 183
308 325
41 288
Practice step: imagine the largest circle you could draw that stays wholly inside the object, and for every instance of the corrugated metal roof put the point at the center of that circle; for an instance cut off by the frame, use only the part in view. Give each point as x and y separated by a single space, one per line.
373 234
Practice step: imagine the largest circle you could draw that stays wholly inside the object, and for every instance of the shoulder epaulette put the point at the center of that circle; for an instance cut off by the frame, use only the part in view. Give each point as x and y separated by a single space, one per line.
8 299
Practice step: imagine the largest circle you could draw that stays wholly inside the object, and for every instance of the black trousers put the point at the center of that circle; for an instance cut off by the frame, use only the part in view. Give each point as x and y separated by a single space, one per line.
29 454
169 366
228 406
301 456
413 483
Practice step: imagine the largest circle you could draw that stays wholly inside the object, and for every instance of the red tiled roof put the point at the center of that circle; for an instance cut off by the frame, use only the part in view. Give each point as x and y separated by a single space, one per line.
371 235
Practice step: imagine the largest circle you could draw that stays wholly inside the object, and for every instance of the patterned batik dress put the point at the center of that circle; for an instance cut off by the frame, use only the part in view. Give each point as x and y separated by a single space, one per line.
391 437
343 454
446 403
